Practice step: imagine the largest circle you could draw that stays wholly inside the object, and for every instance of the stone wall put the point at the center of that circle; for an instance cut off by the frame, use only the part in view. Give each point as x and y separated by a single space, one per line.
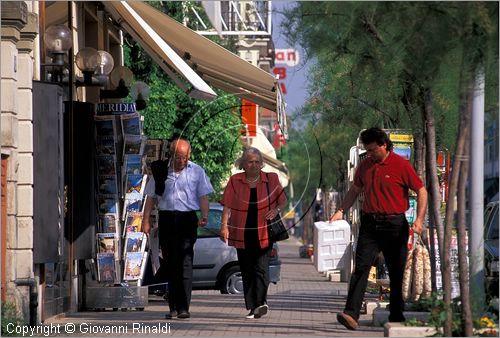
19 30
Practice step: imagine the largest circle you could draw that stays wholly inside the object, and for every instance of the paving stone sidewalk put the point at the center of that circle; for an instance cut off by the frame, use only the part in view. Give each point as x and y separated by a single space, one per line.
303 303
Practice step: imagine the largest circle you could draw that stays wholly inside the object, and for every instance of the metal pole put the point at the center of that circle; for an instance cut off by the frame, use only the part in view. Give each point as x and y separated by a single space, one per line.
476 240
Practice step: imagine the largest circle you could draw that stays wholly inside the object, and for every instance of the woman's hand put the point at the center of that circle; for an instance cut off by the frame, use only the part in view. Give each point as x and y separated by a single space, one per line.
224 233
270 214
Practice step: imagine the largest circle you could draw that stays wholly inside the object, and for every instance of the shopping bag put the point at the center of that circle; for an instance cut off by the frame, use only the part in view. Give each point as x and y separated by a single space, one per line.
407 276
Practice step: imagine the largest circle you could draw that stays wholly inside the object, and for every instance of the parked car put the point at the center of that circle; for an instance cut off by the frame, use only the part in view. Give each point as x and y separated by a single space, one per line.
215 264
491 248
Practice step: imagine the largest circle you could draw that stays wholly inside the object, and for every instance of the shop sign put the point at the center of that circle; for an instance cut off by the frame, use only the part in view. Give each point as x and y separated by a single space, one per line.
287 57
115 108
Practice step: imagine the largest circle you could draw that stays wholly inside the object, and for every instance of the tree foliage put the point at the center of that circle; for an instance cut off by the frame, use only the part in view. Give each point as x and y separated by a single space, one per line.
213 128
371 59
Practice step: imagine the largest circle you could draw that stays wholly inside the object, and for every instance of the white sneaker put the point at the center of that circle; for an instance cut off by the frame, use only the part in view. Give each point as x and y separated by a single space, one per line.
261 311
250 315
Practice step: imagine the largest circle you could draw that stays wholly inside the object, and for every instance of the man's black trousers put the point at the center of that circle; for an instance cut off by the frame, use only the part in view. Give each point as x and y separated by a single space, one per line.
177 235
389 234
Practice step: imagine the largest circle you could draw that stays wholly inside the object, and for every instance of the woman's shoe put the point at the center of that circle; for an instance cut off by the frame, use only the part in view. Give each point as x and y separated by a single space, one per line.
261 311
250 315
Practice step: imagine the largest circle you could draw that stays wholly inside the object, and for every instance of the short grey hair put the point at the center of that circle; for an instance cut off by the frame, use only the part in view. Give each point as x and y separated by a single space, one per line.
244 156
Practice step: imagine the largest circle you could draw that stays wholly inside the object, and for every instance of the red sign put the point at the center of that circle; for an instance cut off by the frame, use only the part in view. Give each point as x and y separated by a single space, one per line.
249 116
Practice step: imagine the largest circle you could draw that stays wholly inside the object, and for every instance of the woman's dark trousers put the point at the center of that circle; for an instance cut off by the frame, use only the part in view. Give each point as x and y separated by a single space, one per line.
254 267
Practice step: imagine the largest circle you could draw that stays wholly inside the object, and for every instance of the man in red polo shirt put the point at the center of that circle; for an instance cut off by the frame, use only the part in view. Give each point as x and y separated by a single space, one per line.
385 179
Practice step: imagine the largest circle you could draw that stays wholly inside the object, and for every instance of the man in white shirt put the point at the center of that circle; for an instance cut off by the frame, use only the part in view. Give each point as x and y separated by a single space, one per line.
186 190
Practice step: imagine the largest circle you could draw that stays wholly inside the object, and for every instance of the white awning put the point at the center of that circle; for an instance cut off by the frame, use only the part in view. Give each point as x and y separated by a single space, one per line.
163 54
218 66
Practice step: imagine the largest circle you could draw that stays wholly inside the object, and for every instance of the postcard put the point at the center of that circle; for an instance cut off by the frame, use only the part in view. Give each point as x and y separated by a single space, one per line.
131 124
133 222
135 242
107 185
108 205
134 265
152 149
107 243
105 126
135 184
132 204
106 165
133 144
106 268
105 146
133 164
109 223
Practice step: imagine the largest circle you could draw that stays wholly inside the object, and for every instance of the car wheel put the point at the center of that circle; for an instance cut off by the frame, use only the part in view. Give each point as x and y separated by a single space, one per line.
232 281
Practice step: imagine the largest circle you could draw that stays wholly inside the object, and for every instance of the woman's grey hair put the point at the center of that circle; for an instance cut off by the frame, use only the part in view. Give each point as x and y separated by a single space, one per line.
249 151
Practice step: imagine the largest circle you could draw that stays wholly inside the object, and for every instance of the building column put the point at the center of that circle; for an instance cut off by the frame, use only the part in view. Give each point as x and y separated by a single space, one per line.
19 29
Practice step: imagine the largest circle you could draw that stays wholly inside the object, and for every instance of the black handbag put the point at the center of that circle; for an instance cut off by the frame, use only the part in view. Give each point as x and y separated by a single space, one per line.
276 230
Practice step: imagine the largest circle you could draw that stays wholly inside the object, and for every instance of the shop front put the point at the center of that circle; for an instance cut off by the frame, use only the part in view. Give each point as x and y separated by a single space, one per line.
50 213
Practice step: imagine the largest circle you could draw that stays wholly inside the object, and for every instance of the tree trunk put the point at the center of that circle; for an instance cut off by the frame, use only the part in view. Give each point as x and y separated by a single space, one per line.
436 224
435 196
461 231
419 146
450 210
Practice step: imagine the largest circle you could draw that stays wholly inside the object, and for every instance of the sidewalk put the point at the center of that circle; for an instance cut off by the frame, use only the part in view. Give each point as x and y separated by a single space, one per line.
303 303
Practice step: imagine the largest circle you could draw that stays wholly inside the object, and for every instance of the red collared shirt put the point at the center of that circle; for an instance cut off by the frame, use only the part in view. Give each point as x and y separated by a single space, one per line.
385 184
236 197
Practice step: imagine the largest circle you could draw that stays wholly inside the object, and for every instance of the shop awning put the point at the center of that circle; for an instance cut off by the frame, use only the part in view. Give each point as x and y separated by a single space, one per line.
167 58
216 65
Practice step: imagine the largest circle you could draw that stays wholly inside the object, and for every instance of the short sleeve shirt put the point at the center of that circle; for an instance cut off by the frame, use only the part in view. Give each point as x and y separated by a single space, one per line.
182 190
385 184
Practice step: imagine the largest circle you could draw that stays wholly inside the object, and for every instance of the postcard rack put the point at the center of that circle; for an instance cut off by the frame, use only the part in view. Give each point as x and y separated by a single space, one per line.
120 250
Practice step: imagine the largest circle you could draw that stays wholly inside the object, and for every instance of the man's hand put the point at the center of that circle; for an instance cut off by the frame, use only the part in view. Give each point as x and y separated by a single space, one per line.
202 221
338 215
418 226
146 226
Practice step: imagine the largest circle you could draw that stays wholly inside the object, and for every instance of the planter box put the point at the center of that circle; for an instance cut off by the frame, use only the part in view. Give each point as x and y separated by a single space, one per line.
381 316
400 330
371 306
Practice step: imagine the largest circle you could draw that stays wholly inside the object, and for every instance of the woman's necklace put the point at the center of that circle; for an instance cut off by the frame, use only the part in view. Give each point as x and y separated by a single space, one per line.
253 180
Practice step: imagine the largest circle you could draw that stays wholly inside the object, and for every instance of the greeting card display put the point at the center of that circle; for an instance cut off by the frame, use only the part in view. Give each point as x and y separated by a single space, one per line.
120 183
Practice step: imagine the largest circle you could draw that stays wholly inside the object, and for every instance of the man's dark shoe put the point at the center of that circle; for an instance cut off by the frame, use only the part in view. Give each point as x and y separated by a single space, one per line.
171 314
347 321
183 315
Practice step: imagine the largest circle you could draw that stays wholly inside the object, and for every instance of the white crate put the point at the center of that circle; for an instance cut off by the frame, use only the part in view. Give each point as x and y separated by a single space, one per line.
331 242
